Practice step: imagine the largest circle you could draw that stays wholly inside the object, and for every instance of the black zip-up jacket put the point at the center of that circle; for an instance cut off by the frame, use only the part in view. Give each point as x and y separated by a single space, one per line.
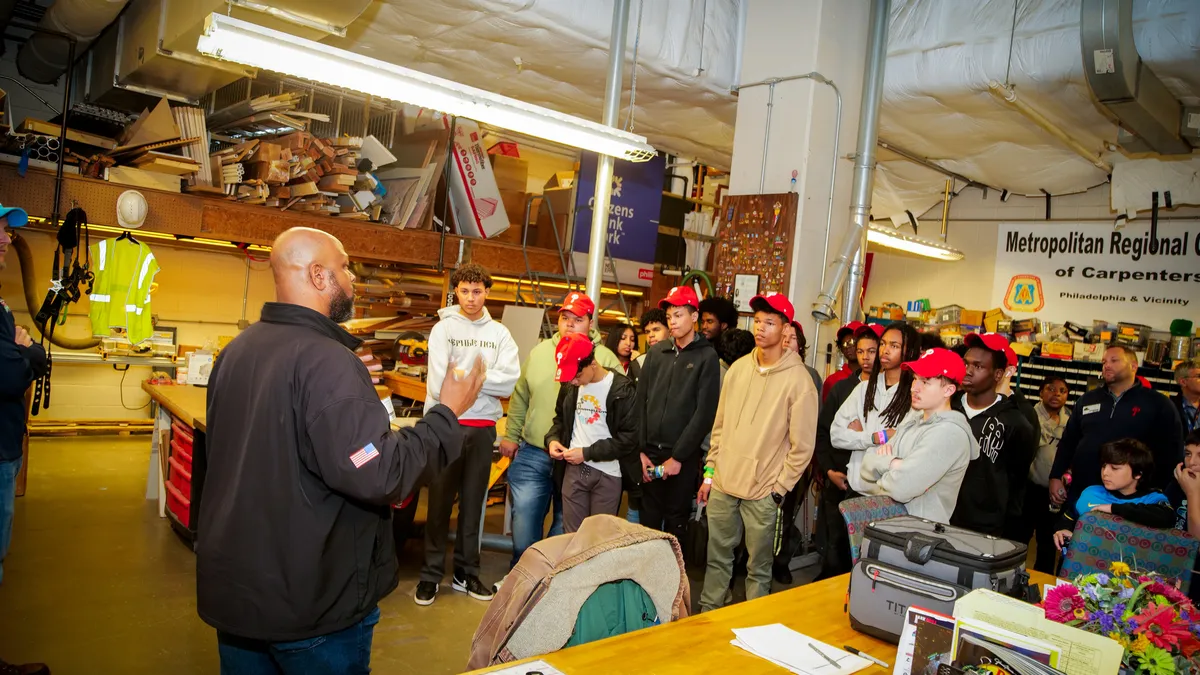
622 425
19 367
1140 413
829 457
294 536
677 397
993 489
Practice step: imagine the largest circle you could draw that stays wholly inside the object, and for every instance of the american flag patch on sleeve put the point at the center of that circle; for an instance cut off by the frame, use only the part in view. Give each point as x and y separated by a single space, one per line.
364 455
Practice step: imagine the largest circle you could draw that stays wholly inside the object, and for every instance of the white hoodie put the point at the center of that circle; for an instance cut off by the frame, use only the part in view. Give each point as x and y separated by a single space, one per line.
845 438
456 338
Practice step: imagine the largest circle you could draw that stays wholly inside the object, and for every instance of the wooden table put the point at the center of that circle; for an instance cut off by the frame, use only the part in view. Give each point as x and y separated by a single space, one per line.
187 402
700 643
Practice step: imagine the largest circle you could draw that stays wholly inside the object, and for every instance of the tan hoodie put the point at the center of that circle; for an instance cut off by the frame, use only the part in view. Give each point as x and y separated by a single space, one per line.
766 427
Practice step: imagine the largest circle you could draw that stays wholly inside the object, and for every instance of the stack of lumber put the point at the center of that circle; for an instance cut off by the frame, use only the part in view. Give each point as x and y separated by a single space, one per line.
192 126
264 114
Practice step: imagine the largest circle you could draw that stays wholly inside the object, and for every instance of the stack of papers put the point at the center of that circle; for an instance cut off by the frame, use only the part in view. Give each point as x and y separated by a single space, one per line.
795 651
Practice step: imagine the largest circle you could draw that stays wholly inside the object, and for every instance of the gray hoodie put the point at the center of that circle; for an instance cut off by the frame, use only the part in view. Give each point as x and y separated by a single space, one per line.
935 454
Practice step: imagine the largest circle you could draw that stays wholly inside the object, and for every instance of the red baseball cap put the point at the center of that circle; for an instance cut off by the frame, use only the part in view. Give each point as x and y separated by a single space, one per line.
938 361
774 302
571 349
578 304
875 330
680 296
851 328
993 341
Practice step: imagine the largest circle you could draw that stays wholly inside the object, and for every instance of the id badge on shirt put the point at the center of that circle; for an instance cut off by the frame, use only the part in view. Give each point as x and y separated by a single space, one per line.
1089 409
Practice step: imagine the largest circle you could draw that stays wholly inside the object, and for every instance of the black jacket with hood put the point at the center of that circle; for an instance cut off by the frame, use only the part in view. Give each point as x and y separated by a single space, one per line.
19 367
993 489
294 536
677 397
622 425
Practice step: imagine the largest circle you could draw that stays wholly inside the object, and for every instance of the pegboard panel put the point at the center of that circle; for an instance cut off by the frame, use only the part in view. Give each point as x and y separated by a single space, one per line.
754 236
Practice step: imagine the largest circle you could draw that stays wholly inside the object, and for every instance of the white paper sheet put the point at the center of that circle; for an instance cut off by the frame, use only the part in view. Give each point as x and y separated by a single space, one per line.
538 666
795 651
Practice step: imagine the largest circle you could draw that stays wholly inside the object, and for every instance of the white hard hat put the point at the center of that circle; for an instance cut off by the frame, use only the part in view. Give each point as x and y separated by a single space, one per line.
131 209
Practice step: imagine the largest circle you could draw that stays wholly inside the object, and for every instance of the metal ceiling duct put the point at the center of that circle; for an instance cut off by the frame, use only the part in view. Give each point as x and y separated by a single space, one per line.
1124 85
44 57
152 48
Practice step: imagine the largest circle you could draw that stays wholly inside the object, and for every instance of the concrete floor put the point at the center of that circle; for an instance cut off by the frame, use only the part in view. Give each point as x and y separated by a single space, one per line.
95 582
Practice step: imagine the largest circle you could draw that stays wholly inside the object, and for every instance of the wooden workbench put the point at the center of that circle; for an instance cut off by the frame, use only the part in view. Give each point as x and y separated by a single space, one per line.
700 643
184 401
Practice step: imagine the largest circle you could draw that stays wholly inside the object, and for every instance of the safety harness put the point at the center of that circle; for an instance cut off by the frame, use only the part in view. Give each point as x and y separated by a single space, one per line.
67 276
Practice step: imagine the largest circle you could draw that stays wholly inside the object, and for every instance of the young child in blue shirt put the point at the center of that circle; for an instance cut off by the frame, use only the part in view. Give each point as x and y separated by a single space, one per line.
1123 464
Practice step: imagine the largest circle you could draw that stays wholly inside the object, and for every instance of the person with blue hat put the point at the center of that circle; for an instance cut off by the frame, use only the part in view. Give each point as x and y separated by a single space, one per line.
21 362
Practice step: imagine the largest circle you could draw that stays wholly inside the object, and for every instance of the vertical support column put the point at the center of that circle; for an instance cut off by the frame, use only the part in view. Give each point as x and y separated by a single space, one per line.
604 165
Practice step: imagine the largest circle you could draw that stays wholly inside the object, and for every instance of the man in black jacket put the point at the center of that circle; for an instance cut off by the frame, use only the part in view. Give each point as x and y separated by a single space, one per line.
594 433
677 398
21 362
294 542
1122 408
992 495
832 539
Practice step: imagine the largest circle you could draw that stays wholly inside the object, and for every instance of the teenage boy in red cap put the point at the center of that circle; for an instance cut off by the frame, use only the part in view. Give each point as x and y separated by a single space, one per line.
923 465
594 432
531 411
762 441
849 347
676 401
993 491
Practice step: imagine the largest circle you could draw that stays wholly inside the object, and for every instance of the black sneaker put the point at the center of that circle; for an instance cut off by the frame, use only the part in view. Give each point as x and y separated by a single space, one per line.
425 593
471 585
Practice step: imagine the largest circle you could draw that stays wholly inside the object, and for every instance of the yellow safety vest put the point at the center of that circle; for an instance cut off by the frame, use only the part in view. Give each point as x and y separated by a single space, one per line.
121 290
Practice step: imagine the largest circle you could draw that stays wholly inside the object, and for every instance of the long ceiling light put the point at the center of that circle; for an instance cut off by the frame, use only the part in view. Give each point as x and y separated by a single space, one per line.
892 238
242 42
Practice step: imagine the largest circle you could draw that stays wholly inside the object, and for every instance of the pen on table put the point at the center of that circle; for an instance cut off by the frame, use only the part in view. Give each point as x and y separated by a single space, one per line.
872 659
823 655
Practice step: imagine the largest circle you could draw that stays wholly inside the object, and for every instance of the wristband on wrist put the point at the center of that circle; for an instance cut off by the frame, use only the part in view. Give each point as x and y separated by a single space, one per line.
708 480
881 437
710 471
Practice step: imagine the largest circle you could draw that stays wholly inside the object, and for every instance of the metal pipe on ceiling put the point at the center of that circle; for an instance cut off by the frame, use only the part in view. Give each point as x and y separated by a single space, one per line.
833 164
851 260
597 244
1009 95
43 58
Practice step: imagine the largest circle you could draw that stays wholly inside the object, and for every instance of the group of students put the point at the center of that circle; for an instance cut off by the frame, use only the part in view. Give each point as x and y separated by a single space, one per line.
715 416
946 433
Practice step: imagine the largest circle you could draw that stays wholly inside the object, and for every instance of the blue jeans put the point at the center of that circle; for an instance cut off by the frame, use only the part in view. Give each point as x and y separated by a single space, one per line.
531 488
346 652
8 494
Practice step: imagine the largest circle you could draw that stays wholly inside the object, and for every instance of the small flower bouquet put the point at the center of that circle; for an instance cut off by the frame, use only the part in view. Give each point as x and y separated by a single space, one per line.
1156 623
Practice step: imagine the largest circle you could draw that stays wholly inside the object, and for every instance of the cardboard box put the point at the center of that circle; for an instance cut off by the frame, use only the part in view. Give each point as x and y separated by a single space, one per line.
1084 351
512 173
992 319
478 208
970 317
1058 350
561 179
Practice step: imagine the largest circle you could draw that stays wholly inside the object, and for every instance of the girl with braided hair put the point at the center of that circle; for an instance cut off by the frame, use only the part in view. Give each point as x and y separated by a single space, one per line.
880 405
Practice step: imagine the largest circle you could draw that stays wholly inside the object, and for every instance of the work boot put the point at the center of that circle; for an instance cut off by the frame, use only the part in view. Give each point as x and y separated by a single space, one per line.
7 668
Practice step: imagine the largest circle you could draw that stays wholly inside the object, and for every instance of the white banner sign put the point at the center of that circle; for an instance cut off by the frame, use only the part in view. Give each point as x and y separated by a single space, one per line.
1089 271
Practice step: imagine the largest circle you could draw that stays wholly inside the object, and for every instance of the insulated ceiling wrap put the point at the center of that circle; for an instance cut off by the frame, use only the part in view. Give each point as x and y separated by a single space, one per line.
555 53
941 56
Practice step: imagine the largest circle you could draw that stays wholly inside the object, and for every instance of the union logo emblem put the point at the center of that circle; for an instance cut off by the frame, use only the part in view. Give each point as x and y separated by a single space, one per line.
1024 294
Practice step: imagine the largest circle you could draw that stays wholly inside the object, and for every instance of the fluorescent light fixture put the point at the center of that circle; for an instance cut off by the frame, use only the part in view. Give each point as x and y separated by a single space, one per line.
242 42
893 238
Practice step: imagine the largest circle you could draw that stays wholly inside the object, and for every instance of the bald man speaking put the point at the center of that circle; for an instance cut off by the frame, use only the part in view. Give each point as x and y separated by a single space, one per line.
294 541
